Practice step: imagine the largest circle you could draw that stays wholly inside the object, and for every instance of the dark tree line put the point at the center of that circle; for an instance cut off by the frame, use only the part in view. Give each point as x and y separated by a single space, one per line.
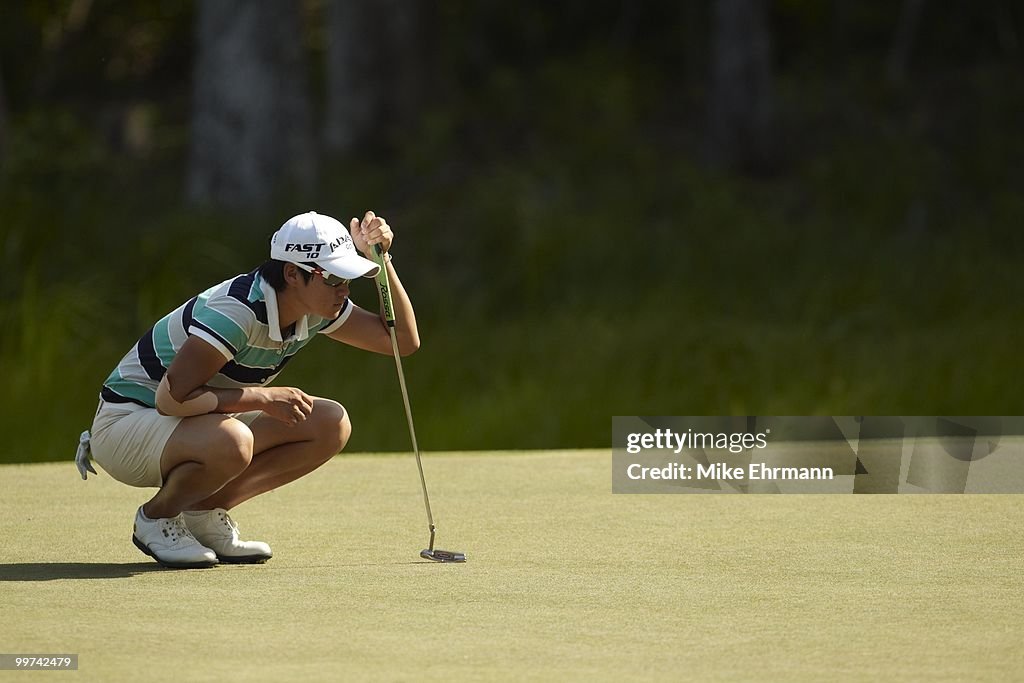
252 126
740 108
3 118
252 119
251 116
275 87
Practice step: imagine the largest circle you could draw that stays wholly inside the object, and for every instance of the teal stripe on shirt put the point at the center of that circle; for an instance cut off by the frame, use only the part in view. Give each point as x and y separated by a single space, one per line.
220 323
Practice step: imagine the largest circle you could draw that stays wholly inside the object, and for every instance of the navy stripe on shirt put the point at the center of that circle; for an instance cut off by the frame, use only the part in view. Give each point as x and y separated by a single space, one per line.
186 313
213 333
246 375
148 359
111 396
239 290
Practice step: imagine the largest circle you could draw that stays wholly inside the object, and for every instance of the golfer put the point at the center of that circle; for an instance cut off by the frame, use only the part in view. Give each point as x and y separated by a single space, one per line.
188 410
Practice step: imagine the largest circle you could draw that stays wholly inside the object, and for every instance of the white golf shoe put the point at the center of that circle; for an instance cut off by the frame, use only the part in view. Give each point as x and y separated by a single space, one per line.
169 542
215 529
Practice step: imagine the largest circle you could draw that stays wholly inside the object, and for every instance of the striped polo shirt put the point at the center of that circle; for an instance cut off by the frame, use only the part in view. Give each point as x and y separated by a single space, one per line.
239 317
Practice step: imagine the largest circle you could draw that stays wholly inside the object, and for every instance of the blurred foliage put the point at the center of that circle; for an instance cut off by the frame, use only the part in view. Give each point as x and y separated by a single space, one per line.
568 257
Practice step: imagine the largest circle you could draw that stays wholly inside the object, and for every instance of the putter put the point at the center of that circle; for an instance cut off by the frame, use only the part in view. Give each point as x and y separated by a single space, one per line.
429 553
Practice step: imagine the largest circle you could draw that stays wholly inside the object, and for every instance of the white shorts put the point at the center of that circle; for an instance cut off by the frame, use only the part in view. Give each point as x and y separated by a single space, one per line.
127 441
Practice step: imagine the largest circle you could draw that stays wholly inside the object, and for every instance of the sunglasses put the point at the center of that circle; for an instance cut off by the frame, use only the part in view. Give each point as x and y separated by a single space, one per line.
331 279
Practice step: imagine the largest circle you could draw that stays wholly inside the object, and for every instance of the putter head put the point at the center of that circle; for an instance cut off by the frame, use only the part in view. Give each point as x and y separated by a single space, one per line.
442 555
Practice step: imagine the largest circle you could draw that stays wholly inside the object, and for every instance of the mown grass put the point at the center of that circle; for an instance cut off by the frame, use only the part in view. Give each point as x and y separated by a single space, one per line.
564 581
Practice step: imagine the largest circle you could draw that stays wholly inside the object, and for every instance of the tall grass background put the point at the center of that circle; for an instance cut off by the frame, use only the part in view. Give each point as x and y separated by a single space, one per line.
588 269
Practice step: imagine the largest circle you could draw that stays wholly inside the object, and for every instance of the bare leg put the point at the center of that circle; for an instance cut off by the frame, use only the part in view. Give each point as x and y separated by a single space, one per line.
283 453
203 454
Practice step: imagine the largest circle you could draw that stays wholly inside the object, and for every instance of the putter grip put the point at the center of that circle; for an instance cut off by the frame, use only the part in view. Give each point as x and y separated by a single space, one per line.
384 286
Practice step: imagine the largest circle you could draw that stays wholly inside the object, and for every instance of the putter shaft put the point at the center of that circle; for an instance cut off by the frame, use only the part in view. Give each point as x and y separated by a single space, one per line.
389 315
412 430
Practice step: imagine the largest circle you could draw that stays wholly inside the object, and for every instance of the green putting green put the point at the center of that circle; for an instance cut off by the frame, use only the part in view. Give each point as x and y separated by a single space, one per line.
564 581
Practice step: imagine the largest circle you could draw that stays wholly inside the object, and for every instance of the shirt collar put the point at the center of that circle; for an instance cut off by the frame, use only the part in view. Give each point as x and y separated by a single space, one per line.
274 318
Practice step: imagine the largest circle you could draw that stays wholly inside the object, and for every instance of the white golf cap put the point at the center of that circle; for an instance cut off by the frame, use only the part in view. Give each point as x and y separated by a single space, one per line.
315 238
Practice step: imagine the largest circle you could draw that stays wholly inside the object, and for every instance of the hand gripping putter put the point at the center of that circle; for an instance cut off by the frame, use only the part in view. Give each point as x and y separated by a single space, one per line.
384 286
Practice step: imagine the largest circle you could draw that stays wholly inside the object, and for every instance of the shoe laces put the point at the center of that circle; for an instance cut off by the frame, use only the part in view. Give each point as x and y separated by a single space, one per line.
225 518
175 529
